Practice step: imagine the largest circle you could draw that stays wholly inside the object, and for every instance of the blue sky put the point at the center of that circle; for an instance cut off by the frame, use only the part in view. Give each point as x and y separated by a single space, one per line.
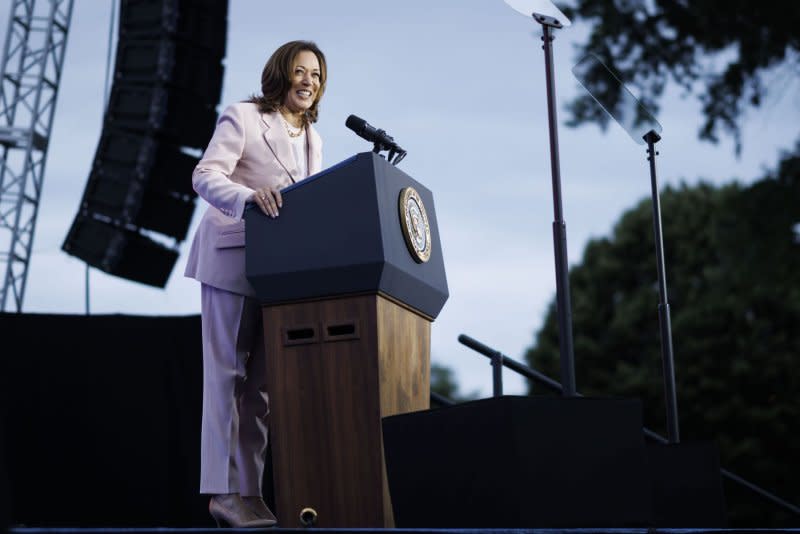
460 85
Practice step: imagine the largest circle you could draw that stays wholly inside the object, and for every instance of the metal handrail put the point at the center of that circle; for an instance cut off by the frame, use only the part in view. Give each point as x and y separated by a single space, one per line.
542 379
438 398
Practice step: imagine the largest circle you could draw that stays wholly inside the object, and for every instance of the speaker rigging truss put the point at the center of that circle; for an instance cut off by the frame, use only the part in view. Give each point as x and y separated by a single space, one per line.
30 71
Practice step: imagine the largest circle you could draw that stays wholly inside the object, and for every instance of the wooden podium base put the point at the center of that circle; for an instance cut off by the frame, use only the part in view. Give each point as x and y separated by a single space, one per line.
335 368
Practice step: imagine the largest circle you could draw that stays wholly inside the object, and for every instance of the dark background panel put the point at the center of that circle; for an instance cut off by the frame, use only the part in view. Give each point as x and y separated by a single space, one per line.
104 421
519 462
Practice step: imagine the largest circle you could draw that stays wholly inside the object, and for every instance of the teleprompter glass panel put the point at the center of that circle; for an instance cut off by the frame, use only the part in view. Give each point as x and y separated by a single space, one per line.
615 98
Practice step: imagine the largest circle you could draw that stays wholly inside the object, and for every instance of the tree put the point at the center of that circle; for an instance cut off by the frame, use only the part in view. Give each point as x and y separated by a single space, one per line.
444 383
733 272
650 42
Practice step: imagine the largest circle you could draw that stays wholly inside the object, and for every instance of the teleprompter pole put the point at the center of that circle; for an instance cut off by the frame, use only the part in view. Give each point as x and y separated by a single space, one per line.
559 226
673 434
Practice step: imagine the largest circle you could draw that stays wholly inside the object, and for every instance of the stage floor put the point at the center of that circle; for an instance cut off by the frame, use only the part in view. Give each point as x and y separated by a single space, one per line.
29 530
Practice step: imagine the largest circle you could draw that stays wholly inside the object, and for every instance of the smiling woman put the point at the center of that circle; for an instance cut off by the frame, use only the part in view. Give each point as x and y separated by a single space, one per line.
259 147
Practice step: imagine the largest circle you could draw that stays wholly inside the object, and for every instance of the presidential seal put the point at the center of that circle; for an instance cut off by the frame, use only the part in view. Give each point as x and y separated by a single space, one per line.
414 222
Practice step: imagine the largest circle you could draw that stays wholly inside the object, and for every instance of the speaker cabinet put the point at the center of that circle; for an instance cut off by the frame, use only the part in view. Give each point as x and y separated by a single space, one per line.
172 64
200 23
167 84
168 114
136 181
120 251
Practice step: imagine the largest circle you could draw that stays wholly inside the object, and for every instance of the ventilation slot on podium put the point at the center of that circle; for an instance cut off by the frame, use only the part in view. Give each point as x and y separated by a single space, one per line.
341 331
300 335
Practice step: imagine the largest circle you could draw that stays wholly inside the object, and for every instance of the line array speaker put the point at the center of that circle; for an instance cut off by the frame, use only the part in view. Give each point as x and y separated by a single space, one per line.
166 87
190 21
164 113
122 252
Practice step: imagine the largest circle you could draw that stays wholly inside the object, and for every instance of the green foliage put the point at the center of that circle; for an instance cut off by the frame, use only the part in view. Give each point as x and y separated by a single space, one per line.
733 279
444 383
651 42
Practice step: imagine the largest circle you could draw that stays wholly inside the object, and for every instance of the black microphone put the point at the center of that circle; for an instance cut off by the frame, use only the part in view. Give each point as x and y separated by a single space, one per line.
380 138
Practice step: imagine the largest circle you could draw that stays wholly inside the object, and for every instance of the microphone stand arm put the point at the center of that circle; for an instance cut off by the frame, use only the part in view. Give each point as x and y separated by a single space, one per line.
396 154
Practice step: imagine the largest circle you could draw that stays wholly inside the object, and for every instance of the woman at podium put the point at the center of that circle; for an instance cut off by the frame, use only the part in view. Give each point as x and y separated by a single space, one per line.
258 147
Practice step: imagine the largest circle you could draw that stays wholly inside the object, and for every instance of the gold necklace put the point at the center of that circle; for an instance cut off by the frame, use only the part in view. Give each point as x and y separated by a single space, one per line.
289 131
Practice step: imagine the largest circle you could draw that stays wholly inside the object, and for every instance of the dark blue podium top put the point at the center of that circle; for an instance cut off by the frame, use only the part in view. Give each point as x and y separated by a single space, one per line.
340 233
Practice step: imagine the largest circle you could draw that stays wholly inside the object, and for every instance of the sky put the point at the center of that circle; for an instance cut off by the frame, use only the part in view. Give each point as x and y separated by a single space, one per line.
460 85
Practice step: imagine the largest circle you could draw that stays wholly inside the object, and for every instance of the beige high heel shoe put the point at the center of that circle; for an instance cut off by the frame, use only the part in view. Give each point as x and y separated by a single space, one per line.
230 510
259 508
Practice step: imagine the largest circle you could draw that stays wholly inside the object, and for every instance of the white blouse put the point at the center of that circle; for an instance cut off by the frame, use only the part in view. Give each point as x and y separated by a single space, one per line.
300 151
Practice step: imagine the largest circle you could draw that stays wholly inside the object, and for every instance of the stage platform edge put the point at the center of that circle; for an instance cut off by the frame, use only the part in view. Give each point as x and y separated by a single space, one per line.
133 530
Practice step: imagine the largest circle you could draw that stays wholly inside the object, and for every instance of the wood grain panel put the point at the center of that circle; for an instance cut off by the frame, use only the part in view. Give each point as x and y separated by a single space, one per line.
327 398
404 340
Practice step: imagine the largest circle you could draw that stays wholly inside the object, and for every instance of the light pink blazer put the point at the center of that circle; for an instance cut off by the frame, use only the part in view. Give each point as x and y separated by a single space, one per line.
249 149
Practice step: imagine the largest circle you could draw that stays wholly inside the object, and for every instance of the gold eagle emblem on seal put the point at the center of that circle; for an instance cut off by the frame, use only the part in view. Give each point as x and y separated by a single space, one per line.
414 222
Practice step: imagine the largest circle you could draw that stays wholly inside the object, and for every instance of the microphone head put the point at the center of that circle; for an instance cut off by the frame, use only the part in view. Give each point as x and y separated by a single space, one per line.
356 124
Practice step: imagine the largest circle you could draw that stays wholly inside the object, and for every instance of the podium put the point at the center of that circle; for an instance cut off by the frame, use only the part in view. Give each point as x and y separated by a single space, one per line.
350 276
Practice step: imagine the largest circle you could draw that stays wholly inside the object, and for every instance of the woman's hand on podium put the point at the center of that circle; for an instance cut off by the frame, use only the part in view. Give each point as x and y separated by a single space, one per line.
268 199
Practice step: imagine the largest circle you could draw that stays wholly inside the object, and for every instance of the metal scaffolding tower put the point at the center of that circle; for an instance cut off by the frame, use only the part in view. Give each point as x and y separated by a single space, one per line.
30 71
